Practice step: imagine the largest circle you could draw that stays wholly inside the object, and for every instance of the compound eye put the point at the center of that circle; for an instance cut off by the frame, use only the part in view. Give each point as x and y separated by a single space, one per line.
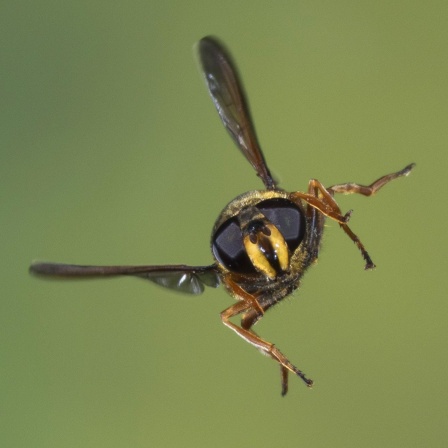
229 250
287 217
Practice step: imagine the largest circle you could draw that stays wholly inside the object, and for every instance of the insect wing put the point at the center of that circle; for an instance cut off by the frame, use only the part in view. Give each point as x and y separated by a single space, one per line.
227 94
187 279
184 281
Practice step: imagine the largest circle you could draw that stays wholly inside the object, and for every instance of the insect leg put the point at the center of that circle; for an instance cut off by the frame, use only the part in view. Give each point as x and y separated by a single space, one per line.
319 198
322 199
284 379
244 305
369 190
251 318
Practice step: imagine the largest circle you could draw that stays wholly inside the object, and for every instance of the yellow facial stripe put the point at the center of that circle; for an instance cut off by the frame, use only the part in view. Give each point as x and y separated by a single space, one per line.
280 247
258 258
265 247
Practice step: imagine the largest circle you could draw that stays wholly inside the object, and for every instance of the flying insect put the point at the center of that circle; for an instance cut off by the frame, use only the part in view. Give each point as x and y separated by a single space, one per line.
263 241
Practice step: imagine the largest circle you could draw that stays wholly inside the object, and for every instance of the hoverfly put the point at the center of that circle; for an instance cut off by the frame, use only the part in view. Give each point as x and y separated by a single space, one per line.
263 241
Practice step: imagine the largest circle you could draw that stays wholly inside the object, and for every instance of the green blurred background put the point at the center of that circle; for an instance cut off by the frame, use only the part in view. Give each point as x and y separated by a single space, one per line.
112 153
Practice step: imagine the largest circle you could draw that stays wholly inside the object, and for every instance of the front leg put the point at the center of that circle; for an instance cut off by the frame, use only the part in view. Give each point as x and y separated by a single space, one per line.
369 190
322 199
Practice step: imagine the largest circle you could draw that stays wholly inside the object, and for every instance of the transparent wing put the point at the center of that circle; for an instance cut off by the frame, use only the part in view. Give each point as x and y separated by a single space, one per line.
188 279
227 94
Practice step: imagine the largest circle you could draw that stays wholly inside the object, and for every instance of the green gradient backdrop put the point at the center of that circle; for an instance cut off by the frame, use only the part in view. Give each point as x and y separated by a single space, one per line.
111 152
